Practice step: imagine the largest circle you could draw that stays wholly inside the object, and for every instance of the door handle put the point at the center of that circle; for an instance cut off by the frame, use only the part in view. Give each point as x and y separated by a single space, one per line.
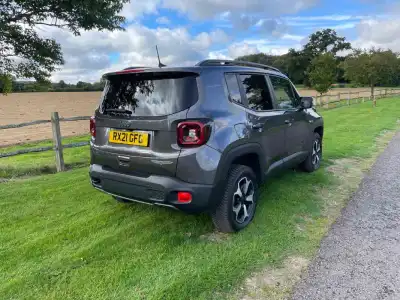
257 126
288 122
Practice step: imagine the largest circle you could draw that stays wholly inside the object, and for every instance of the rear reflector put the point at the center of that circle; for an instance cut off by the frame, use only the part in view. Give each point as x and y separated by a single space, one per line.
184 197
93 127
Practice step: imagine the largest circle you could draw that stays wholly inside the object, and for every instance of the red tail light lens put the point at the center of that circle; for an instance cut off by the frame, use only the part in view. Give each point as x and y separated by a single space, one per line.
193 133
184 197
93 126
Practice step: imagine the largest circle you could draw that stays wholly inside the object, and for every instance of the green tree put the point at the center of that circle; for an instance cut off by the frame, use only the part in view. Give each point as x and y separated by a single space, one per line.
24 54
296 63
372 67
62 84
323 72
324 41
5 84
81 84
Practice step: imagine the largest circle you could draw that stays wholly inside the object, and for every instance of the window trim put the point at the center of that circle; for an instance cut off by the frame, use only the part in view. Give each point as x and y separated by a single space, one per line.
276 103
244 99
243 92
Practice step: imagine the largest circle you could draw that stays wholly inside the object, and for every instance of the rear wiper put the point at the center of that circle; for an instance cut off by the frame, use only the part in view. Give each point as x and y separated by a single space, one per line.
118 111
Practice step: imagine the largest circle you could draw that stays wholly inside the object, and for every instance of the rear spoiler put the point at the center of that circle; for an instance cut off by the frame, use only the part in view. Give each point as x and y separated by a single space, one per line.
133 70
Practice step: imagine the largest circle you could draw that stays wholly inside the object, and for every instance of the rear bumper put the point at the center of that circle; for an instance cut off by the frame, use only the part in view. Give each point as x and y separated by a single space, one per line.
154 189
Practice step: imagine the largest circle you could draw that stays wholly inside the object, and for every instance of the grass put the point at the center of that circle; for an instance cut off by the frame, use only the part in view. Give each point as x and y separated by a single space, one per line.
61 239
42 162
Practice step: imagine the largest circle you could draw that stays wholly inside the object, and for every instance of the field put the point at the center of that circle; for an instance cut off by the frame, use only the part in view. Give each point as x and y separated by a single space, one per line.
25 107
61 239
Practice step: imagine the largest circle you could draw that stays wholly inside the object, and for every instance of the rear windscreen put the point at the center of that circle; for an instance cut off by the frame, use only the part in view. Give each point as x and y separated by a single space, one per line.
149 94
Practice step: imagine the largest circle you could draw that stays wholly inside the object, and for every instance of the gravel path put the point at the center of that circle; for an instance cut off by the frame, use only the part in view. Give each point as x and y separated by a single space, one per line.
360 257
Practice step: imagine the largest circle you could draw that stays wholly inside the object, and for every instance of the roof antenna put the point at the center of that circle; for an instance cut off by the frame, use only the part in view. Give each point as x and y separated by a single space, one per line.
160 65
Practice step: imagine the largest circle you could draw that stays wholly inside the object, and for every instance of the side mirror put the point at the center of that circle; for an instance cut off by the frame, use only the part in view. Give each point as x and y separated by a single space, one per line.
306 102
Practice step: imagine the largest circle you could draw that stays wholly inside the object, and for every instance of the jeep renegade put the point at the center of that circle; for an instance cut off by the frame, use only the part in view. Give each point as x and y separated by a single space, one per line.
201 138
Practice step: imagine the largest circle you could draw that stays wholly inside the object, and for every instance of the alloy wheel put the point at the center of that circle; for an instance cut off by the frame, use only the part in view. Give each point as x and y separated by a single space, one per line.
316 152
243 200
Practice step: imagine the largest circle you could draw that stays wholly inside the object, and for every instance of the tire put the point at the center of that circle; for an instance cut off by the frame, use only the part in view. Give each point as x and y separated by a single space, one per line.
313 160
230 214
121 200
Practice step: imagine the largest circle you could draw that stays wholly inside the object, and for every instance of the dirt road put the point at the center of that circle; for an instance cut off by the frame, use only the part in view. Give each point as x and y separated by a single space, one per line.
360 257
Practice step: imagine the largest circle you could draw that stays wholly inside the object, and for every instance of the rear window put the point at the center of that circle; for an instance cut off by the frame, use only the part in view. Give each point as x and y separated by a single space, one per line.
149 94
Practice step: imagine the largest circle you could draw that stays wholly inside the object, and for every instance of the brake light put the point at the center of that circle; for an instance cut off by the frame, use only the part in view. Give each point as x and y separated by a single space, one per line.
192 133
93 126
184 197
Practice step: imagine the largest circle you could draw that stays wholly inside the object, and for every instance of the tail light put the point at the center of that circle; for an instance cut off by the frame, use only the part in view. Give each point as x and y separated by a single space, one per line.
93 126
193 133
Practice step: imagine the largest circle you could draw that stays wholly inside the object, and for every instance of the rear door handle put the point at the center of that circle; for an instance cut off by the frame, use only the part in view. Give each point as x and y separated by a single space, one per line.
257 126
288 122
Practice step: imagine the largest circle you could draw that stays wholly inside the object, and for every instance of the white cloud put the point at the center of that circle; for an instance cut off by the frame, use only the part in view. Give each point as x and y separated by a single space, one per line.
241 49
163 20
87 56
297 38
378 33
325 18
204 9
136 8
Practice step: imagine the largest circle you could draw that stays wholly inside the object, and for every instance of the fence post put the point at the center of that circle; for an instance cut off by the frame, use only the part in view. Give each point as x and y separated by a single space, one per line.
55 125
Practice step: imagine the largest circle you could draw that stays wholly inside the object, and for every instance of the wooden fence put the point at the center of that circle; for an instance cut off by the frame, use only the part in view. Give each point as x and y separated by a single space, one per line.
57 139
347 98
324 101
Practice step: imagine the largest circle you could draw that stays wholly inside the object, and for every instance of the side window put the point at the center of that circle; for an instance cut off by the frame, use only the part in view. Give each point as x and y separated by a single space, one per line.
233 88
284 93
256 91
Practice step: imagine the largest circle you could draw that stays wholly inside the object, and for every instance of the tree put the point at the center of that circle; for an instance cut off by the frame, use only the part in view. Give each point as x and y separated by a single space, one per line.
325 41
372 67
24 54
5 84
296 63
81 84
323 72
62 84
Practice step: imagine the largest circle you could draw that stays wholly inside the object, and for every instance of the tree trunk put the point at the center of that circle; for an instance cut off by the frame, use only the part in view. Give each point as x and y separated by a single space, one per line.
372 94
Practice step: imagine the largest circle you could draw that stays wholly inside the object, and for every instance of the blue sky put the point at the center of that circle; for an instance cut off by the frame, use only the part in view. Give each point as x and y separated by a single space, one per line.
188 31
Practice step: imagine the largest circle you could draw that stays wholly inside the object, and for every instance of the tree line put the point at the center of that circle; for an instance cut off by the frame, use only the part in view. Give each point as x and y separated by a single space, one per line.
328 58
61 86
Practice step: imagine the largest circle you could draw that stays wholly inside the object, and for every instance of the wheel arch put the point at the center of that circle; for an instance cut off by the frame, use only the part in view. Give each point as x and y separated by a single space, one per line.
250 155
319 130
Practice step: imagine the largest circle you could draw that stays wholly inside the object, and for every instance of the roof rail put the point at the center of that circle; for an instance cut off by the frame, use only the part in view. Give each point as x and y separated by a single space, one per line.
223 62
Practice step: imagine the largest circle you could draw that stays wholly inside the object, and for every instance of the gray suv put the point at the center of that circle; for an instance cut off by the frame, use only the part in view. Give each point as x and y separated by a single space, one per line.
201 138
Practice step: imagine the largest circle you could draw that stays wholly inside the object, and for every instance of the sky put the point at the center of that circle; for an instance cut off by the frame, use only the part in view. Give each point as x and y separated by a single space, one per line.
188 31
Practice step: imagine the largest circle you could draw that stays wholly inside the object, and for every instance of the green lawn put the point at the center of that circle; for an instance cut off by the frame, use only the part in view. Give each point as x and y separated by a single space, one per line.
42 162
61 239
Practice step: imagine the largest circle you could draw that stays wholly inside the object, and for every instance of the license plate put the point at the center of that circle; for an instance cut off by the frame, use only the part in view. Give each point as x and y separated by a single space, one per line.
129 138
